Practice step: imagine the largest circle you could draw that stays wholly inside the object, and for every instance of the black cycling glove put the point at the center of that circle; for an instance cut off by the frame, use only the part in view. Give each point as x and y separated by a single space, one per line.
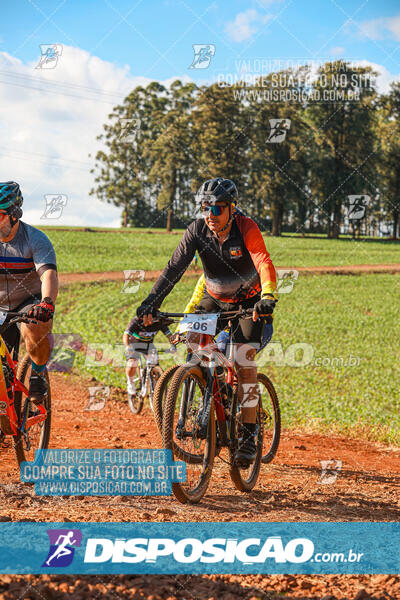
265 306
146 308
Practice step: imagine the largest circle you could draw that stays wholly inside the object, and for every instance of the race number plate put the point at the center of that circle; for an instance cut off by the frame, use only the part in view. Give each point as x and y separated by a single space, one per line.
205 323
3 317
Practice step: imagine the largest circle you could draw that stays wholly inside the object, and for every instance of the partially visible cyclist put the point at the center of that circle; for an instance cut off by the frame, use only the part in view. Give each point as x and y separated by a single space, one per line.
28 283
139 339
238 271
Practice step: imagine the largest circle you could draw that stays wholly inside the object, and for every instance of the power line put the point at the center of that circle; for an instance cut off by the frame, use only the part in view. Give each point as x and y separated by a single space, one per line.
56 83
93 99
47 163
45 156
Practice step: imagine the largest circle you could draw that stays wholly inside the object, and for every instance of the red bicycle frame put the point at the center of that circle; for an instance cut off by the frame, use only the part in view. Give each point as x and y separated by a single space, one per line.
7 407
210 348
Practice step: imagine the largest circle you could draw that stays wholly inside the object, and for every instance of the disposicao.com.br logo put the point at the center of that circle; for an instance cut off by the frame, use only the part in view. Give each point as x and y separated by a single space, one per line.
212 550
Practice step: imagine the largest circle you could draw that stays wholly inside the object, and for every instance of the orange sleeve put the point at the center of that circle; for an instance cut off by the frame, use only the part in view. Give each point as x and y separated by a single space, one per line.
254 243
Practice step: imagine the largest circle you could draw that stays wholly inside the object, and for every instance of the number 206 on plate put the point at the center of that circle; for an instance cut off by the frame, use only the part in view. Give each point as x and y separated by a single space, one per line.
199 323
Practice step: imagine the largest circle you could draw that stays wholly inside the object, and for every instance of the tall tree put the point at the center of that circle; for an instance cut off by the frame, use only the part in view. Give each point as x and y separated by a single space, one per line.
278 159
389 166
343 112
172 162
119 167
221 136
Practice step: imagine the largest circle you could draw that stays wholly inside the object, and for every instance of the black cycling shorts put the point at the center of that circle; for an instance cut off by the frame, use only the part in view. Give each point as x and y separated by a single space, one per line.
11 333
138 347
244 330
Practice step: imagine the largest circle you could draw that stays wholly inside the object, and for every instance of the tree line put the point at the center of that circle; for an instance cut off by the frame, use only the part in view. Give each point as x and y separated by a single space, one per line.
318 154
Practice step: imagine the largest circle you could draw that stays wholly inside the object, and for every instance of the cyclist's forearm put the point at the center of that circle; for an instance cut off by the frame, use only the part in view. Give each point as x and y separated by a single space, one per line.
49 281
177 265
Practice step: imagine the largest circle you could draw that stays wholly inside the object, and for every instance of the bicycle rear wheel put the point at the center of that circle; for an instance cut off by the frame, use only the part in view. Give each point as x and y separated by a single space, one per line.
245 478
160 394
189 432
38 436
271 417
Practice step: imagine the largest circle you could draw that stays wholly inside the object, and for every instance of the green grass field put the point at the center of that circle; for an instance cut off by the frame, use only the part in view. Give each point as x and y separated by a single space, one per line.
349 326
80 251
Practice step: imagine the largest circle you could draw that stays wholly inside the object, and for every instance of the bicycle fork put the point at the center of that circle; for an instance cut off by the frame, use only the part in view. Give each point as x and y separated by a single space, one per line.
186 401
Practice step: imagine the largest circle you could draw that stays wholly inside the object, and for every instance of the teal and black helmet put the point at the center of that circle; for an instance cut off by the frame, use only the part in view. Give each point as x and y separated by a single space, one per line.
11 198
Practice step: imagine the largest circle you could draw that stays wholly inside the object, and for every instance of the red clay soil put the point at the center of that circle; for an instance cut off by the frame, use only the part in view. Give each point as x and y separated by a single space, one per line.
366 489
66 278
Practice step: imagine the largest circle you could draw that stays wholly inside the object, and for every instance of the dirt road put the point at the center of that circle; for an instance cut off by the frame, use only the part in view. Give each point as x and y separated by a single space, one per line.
66 278
290 489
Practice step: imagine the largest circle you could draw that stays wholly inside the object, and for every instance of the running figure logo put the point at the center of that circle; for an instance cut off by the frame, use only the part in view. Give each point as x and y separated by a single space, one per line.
286 279
55 204
62 547
329 471
251 394
50 55
279 129
357 206
203 54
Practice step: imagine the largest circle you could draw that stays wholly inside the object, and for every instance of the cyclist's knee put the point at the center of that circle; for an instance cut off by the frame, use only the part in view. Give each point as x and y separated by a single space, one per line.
244 355
35 335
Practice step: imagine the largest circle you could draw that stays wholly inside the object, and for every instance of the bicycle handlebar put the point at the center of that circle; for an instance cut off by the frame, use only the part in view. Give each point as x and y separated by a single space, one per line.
228 313
20 317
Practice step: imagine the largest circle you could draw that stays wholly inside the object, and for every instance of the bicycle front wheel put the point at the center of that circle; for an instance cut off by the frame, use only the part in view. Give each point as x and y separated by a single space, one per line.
37 436
245 478
160 394
271 415
189 431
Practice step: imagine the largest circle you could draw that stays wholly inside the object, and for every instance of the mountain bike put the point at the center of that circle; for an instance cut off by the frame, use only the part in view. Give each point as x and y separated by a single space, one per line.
202 413
29 424
148 372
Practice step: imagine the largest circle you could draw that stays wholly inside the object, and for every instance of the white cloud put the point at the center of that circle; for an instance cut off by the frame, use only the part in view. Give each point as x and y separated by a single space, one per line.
46 135
377 29
384 79
337 51
245 25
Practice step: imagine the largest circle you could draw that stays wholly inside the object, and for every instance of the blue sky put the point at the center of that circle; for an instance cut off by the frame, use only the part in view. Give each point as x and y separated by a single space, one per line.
51 117
155 37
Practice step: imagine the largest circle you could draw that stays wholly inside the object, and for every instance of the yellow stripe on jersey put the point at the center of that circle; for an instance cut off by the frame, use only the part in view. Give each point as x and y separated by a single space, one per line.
197 295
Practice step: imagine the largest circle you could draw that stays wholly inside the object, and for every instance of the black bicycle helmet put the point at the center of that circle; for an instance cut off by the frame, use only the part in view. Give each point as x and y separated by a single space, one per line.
11 200
217 190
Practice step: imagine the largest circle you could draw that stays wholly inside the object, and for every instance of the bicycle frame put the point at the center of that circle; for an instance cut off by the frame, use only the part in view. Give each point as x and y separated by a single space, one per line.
144 370
7 395
209 349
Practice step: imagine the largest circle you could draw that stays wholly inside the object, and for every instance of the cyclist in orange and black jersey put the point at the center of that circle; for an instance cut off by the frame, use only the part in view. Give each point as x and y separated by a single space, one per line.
237 270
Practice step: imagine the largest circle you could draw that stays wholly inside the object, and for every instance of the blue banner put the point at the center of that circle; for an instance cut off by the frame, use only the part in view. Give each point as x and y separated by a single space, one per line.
103 472
200 548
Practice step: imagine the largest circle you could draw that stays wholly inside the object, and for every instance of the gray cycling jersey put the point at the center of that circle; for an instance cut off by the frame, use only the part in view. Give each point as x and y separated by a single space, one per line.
22 261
